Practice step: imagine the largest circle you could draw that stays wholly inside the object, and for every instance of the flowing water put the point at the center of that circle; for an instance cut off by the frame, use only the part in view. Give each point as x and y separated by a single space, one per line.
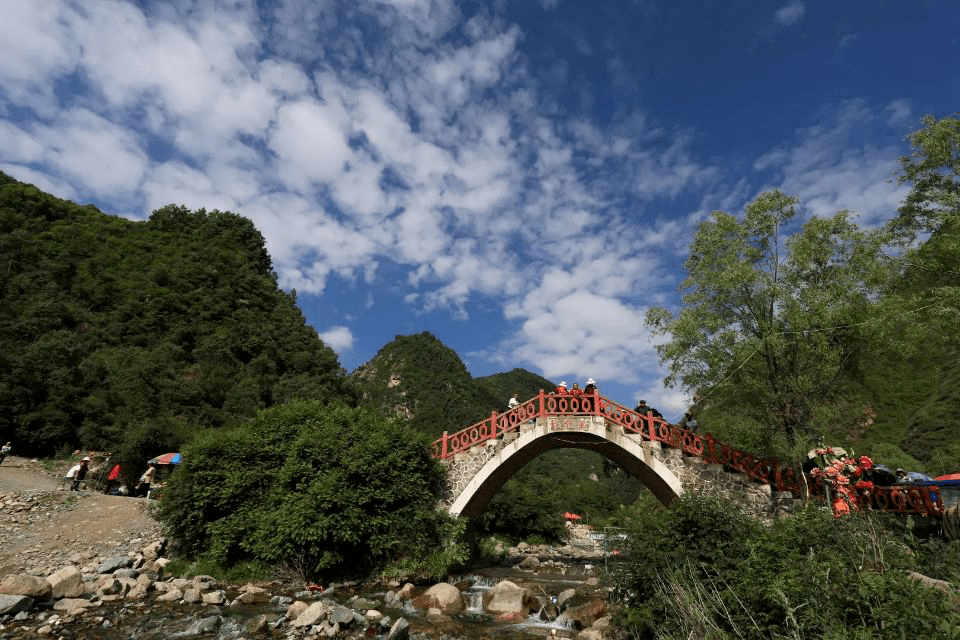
150 621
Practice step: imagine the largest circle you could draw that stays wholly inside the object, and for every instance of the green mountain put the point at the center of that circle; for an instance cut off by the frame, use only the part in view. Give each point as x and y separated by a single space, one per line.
503 385
130 336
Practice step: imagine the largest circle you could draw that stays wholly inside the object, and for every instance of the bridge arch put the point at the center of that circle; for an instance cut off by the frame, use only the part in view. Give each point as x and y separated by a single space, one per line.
535 439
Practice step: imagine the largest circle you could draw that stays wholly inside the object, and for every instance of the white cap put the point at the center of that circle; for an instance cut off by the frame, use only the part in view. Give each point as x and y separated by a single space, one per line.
562 384
86 458
590 381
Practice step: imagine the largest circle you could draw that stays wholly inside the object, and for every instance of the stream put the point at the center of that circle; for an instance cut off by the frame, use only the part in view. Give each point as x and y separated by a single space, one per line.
155 621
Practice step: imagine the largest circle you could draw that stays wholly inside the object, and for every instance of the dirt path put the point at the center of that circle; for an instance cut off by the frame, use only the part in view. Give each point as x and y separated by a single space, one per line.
42 527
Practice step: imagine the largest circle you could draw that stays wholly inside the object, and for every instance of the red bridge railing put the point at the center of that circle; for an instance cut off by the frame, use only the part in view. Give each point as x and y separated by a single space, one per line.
903 499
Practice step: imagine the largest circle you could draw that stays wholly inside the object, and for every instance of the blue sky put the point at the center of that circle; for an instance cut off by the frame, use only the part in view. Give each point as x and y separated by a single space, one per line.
519 178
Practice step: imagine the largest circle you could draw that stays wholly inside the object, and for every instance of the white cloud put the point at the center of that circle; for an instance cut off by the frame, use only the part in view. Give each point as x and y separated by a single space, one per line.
340 339
790 14
829 169
426 143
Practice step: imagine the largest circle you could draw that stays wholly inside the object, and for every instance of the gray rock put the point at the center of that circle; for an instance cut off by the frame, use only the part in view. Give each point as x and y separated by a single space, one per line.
362 604
530 563
22 585
309 616
191 596
400 630
10 604
565 596
113 563
214 597
209 625
66 582
342 615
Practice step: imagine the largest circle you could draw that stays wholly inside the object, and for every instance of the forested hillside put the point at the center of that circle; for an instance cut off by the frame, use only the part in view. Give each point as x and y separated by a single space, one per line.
132 336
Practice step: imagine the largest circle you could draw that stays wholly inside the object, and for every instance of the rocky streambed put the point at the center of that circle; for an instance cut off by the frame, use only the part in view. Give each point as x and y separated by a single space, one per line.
89 566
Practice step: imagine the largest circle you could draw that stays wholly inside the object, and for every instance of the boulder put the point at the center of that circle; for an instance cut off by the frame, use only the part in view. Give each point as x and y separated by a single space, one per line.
204 583
507 597
405 592
66 582
593 633
295 609
23 585
565 595
12 604
259 625
362 604
341 615
152 551
72 605
314 614
399 631
443 596
584 615
214 597
191 596
249 594
372 615
209 625
172 595
530 563
113 563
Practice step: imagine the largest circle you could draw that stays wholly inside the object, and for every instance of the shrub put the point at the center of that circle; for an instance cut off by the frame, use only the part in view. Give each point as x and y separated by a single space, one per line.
328 488
702 569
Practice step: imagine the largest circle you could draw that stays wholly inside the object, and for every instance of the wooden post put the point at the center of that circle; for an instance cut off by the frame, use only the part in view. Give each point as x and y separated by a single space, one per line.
443 447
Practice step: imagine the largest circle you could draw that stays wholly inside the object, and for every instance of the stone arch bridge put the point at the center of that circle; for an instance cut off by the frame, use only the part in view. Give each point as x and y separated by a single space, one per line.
668 460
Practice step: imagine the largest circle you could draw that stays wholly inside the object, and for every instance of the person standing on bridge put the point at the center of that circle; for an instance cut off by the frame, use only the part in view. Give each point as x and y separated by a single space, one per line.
589 391
689 422
561 389
514 401
643 409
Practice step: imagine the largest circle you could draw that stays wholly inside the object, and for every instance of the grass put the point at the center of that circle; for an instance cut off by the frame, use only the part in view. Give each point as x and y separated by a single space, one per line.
239 572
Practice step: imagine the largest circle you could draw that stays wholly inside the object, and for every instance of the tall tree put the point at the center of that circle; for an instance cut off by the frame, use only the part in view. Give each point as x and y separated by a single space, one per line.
770 321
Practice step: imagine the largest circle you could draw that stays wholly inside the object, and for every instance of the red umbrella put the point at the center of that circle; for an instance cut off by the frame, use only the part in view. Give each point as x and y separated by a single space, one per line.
949 476
570 516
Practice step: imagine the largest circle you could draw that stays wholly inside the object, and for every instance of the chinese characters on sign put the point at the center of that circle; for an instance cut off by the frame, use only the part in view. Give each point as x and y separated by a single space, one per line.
568 423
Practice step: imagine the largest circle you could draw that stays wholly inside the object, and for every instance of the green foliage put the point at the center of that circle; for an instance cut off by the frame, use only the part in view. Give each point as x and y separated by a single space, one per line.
523 508
703 568
420 378
501 386
237 572
325 487
109 325
771 320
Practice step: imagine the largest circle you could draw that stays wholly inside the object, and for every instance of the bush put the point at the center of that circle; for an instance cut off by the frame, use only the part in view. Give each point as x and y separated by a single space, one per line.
703 569
331 489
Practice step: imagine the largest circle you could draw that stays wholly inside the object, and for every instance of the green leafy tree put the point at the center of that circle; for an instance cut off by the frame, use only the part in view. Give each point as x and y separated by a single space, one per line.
109 324
331 489
771 321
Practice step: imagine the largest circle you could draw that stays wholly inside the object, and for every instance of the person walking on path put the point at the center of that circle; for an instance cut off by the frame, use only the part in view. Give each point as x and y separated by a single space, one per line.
77 473
143 488
4 452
